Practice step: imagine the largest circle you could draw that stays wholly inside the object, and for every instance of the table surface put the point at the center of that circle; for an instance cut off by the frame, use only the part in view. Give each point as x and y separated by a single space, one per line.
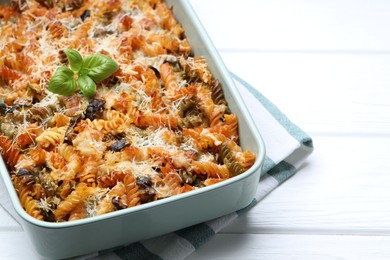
326 65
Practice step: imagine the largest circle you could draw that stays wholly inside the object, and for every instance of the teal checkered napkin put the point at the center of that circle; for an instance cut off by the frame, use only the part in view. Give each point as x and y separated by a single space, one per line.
287 146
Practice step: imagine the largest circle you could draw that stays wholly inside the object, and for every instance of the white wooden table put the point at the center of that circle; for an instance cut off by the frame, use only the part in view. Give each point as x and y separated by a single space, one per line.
326 65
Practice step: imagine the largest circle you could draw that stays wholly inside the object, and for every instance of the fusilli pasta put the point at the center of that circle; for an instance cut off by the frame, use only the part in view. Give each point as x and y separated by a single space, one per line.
157 127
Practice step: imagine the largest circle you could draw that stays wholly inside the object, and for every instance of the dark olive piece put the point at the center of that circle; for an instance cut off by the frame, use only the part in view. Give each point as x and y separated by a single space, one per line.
146 191
69 133
197 182
116 201
23 172
27 176
94 108
118 145
155 71
3 107
62 56
144 182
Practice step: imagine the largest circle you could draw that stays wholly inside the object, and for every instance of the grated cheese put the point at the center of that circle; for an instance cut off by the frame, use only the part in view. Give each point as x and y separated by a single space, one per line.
109 130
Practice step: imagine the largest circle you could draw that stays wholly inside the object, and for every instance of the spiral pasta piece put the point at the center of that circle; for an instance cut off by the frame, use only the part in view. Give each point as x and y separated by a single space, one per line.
8 74
196 67
57 30
168 42
110 179
228 127
51 137
211 169
73 160
26 199
10 153
229 157
173 184
247 159
168 78
168 20
75 198
213 111
28 136
107 205
203 138
113 126
7 11
157 120
132 193
38 155
88 171
79 212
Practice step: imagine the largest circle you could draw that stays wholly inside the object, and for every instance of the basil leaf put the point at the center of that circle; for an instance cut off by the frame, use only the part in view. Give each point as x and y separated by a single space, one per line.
63 82
87 86
75 59
83 71
99 67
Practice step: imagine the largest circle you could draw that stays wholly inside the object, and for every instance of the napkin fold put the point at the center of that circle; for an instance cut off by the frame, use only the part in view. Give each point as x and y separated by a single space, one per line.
287 146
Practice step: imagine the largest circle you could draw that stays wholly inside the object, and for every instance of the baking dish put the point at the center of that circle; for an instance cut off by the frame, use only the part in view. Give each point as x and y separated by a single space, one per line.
67 239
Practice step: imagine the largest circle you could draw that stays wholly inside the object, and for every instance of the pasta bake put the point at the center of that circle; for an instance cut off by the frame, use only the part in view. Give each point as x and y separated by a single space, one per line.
79 144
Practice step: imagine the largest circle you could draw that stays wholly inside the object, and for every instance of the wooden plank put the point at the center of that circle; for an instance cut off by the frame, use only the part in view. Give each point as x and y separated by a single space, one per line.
343 189
16 245
275 247
340 98
323 25
7 222
335 93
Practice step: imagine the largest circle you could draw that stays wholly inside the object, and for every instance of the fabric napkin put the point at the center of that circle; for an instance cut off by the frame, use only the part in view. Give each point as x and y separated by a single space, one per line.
287 146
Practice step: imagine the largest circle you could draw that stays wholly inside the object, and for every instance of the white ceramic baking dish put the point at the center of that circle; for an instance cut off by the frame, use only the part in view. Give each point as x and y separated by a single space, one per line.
67 239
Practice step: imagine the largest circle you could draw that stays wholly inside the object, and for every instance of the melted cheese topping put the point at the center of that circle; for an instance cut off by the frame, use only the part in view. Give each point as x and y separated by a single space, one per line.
151 120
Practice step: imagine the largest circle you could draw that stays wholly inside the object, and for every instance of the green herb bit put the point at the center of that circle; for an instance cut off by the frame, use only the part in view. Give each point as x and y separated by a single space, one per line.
75 59
63 82
99 67
87 85
91 69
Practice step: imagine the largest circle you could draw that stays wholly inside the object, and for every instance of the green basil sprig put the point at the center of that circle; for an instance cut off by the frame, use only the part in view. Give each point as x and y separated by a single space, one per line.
63 82
75 59
91 69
